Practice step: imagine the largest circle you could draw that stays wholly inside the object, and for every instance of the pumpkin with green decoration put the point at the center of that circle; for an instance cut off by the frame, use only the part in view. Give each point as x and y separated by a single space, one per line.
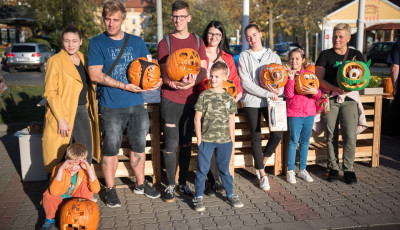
353 75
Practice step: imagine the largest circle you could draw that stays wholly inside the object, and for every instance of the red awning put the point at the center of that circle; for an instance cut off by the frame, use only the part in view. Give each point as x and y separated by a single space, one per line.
386 26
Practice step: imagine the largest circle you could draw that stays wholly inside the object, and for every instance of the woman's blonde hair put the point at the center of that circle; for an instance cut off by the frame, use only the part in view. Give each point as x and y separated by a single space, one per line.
76 151
343 26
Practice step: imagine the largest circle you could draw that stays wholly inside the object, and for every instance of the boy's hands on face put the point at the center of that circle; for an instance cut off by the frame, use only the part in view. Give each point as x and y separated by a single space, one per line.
84 165
67 164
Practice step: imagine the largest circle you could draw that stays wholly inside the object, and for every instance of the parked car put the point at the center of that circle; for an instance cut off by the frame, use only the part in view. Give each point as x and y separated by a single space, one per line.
379 52
284 48
28 56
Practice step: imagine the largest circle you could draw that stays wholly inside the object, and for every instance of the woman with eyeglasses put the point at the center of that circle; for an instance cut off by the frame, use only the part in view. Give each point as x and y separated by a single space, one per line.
217 49
254 100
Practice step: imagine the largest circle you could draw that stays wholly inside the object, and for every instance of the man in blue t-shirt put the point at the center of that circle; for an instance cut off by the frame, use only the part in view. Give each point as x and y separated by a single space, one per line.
120 103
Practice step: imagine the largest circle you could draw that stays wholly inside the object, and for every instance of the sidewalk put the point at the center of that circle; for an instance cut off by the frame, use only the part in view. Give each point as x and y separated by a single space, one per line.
373 203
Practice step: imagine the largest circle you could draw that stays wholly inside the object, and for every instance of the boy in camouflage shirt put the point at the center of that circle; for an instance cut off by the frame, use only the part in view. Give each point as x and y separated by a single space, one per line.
216 108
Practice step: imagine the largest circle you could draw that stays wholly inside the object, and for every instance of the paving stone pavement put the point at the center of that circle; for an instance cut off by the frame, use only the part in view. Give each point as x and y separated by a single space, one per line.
372 203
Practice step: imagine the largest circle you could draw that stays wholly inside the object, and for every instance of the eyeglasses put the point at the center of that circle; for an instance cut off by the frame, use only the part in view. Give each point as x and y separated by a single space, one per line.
179 17
215 35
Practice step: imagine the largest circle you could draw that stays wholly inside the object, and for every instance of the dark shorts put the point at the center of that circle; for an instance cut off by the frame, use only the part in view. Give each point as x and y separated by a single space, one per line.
135 119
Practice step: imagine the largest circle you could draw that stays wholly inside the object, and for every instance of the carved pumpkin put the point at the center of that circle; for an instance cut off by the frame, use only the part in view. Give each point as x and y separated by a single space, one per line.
353 75
79 214
274 75
143 73
183 62
311 68
228 85
306 78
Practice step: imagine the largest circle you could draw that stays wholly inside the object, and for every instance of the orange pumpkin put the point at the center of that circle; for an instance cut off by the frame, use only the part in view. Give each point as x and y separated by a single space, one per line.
143 73
183 62
79 214
228 85
311 68
274 75
306 78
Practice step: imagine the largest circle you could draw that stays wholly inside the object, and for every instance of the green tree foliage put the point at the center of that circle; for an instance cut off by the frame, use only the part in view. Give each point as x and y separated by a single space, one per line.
54 15
229 12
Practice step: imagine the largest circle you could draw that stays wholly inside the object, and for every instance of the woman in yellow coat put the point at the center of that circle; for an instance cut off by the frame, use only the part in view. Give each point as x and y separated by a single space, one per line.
71 109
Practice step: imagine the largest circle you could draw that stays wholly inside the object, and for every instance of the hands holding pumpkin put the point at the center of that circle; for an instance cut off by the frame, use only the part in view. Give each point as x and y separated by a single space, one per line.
238 96
186 82
310 90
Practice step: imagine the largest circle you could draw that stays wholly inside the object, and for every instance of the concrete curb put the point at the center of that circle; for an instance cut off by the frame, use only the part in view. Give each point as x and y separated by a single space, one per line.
13 127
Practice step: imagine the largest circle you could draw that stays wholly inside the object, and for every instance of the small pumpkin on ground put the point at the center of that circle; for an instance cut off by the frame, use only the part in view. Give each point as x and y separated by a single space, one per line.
79 214
144 73
306 78
183 62
274 75
228 85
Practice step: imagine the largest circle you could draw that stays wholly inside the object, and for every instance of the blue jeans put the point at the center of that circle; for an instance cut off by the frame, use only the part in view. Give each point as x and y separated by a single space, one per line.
223 153
300 129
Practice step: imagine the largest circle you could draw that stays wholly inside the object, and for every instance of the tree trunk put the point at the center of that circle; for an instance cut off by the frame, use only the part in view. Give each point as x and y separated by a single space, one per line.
271 30
307 45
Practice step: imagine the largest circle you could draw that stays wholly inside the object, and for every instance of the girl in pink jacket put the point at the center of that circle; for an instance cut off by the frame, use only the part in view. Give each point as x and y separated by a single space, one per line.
300 112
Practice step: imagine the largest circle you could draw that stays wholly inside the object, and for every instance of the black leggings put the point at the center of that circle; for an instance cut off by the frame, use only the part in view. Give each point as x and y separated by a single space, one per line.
82 132
254 118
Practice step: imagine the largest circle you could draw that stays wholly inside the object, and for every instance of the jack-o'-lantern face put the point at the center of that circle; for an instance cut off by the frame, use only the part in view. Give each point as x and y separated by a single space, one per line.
79 214
228 85
144 73
306 79
353 75
274 75
183 62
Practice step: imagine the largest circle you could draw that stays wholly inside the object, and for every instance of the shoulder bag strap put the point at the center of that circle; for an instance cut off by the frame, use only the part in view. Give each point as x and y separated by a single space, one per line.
119 55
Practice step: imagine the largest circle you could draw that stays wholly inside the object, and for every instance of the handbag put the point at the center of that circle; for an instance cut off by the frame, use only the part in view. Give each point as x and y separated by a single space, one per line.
322 104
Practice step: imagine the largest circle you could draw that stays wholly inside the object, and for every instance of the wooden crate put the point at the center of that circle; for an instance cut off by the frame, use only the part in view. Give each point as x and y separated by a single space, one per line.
152 150
368 142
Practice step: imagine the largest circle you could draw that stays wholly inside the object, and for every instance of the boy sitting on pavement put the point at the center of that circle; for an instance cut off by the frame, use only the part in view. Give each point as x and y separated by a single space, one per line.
216 108
72 178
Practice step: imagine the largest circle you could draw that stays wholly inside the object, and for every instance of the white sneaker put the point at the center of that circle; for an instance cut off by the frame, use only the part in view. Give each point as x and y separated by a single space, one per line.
264 184
303 174
291 177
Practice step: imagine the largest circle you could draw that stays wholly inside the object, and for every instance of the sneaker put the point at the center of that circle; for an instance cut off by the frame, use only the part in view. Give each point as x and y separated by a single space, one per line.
219 187
291 177
350 177
147 190
210 191
303 174
198 204
264 184
333 175
112 199
184 190
169 195
48 224
234 201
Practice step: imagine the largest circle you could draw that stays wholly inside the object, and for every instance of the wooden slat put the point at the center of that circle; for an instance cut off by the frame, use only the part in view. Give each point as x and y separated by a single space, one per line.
377 132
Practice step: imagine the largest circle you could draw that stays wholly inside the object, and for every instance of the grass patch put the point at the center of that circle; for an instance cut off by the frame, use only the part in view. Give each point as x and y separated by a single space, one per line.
20 102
